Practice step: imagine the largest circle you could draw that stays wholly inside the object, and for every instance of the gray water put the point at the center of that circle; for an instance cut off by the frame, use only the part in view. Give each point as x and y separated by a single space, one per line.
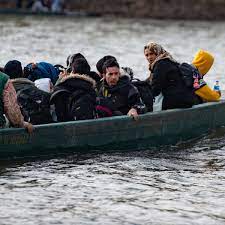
172 185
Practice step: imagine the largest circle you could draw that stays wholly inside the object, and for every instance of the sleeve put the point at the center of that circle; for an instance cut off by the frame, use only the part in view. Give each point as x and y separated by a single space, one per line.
11 107
159 77
207 94
134 100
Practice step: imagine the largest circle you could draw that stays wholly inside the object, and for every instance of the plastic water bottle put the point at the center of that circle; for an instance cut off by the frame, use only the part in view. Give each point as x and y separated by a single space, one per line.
217 86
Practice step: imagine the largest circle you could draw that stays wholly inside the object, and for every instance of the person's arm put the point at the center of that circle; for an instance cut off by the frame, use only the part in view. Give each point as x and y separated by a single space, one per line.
12 109
159 76
207 94
135 103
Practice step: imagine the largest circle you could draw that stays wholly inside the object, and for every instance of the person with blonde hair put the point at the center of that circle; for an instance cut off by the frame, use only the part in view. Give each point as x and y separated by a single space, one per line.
166 79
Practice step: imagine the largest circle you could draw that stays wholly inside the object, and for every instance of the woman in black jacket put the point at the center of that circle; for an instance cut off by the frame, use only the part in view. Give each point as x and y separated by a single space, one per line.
166 78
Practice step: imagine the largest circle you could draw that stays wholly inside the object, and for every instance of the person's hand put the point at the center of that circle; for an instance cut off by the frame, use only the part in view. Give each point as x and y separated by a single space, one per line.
133 113
34 65
63 74
29 127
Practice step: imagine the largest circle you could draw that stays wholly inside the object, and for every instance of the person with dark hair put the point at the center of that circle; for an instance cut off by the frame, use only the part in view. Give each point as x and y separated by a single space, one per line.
119 92
74 95
74 57
71 58
13 69
100 63
9 105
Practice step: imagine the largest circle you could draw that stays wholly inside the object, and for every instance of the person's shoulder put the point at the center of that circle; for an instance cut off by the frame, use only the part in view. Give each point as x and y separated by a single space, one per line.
165 64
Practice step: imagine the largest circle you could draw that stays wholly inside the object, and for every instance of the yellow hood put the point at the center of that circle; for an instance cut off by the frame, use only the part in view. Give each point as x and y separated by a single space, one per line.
203 61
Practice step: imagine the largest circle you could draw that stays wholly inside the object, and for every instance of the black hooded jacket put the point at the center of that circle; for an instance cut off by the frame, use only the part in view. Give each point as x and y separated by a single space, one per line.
167 80
122 97
74 98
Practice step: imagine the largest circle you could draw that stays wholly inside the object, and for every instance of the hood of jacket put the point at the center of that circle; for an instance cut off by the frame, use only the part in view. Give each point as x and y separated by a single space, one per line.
76 76
203 61
20 83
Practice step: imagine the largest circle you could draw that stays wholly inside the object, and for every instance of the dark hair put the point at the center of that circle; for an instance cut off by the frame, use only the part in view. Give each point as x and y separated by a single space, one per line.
13 69
110 63
71 58
80 66
1 69
100 63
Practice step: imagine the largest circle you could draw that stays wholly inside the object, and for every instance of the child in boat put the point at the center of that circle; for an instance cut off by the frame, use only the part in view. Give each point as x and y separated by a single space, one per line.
203 61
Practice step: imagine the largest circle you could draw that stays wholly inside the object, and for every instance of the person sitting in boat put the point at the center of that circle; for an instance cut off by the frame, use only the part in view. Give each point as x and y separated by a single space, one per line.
34 103
74 95
35 71
119 92
203 61
70 60
123 70
9 105
166 79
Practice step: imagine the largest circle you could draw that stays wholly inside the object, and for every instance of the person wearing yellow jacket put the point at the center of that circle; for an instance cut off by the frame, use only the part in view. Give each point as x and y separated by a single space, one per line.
203 61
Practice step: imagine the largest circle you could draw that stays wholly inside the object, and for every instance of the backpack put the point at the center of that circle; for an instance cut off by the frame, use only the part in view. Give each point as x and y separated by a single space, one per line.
145 91
42 70
77 105
188 73
34 104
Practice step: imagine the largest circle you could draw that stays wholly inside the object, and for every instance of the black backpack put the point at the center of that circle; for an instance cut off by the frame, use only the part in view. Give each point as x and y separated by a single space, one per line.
145 91
34 104
188 73
77 105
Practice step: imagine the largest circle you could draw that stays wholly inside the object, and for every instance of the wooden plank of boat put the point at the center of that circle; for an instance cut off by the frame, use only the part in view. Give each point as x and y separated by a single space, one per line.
152 129
14 11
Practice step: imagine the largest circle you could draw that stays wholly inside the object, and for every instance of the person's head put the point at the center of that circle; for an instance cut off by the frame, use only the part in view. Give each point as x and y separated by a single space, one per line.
111 72
71 58
152 51
203 61
100 63
80 66
13 69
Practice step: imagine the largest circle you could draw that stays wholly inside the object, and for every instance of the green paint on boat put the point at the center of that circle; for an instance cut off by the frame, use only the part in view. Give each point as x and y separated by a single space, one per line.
115 133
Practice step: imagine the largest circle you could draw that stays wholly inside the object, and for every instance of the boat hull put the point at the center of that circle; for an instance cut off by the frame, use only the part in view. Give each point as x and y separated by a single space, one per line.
116 133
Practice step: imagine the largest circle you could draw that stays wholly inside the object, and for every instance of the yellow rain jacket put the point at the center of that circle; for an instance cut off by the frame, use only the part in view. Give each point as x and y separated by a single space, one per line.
203 61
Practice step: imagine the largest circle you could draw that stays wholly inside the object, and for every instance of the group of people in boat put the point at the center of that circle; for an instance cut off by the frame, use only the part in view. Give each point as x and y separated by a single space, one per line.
41 93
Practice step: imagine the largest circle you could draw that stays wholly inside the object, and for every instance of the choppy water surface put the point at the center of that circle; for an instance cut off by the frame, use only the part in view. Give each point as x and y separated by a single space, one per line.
177 185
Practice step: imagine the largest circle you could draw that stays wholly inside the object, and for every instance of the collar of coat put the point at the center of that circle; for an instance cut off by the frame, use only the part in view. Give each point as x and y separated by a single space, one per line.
79 76
22 81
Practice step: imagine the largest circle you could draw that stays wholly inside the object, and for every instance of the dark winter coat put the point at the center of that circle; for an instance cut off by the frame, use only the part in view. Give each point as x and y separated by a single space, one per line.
74 98
168 81
122 97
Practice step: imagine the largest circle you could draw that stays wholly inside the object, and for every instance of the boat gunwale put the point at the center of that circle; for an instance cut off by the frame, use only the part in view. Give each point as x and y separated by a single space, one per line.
115 118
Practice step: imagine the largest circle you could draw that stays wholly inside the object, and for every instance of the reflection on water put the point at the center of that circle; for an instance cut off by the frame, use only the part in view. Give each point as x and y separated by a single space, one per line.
176 185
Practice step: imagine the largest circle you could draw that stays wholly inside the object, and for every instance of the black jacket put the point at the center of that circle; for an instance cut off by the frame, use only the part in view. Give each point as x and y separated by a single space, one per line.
122 97
74 98
167 80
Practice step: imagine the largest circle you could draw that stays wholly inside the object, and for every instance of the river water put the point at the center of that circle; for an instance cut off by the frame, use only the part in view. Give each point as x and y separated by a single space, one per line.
172 185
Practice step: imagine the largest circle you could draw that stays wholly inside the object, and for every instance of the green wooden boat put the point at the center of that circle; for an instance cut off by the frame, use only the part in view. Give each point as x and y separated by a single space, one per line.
115 133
